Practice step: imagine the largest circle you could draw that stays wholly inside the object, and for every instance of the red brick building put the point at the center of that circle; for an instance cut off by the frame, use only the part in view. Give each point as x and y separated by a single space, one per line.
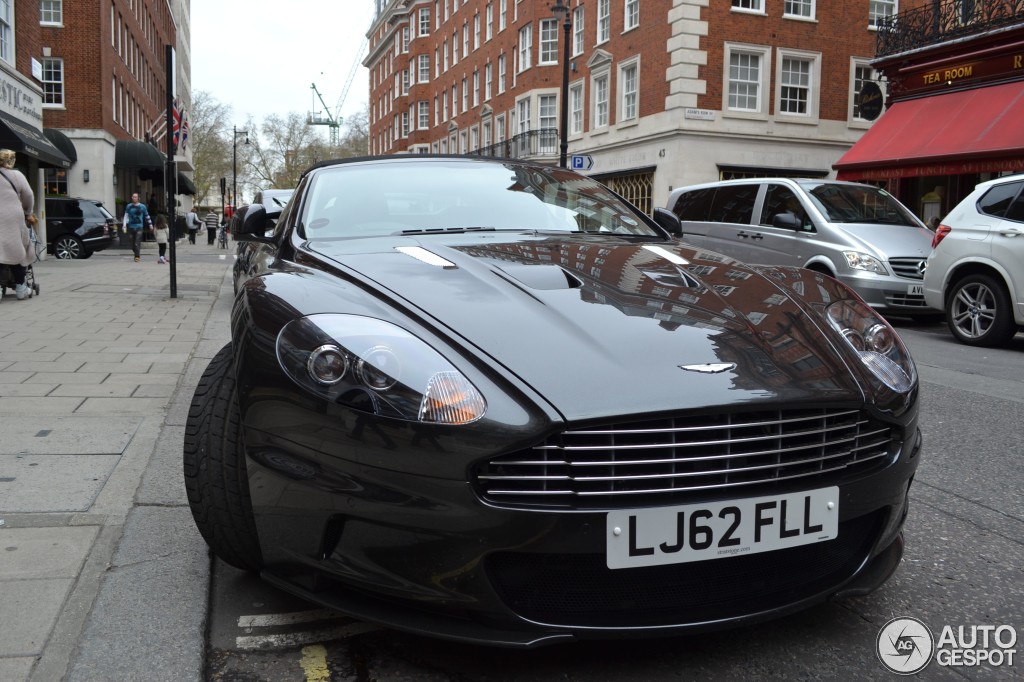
661 93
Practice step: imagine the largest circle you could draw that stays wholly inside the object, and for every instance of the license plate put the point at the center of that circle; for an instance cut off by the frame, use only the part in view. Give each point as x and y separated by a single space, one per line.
915 290
715 530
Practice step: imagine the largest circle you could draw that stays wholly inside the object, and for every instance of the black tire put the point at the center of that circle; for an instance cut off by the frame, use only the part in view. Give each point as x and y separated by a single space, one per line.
67 247
216 480
978 311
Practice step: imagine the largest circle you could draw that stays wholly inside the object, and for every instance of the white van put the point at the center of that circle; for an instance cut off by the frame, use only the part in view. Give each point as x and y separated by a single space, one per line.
859 234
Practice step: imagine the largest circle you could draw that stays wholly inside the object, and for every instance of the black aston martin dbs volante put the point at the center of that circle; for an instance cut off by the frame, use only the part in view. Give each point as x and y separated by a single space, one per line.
490 400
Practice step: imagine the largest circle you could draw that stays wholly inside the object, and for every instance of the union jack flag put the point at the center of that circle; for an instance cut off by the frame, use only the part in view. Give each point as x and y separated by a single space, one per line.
180 126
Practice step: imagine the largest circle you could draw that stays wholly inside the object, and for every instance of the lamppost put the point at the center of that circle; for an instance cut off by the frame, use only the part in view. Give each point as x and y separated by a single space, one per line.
234 165
561 10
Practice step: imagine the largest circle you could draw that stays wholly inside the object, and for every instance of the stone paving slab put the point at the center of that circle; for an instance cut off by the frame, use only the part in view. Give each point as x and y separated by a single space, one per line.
52 483
67 435
37 553
33 605
15 669
33 406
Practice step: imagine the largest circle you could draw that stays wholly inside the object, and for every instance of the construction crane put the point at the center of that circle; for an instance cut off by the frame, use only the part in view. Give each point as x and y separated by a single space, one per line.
326 118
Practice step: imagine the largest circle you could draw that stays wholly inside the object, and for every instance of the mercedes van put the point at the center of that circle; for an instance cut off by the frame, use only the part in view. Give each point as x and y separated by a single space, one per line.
857 233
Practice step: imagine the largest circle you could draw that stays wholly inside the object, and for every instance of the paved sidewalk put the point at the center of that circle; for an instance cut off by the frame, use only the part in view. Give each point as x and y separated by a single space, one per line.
103 575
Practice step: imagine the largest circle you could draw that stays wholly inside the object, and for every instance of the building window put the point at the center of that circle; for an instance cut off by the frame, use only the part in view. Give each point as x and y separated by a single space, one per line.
6 34
488 76
862 74
629 83
474 139
476 88
423 116
465 94
502 70
632 14
53 82
490 22
55 181
502 14
445 48
525 46
748 5
576 109
879 11
798 8
549 41
425 21
476 32
499 129
465 39
745 80
405 39
577 32
444 105
523 115
794 86
600 101
424 74
604 20
486 141
51 12
405 124
547 106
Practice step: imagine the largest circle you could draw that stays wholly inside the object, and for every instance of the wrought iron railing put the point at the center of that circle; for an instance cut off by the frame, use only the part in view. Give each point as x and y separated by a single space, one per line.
533 143
944 21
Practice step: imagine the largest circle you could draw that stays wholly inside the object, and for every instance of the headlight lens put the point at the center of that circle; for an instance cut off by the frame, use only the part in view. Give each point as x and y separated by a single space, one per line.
377 367
879 347
862 261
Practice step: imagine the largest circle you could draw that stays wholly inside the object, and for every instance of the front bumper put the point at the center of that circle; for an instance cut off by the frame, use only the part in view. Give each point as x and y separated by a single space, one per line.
426 555
888 293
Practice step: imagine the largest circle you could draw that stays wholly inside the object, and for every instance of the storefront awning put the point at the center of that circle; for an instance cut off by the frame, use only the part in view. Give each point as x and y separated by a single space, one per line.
185 185
26 138
137 154
971 131
62 142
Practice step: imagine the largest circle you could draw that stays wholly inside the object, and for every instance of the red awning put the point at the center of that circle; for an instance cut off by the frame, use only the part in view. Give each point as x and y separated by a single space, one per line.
971 131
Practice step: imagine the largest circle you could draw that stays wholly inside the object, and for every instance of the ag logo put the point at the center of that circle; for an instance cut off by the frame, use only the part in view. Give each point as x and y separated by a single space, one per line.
905 645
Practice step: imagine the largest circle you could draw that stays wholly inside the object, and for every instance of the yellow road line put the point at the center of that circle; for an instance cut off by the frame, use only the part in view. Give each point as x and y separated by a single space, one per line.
314 663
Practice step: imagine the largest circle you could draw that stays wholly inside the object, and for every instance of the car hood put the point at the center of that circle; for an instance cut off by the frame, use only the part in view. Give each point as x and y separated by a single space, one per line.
891 241
601 326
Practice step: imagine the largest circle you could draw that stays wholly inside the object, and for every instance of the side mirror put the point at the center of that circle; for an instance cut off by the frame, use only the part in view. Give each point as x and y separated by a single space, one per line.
668 221
250 223
787 220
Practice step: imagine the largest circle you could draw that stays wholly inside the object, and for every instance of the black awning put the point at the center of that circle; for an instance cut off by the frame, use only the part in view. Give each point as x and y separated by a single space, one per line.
137 154
62 142
185 185
26 138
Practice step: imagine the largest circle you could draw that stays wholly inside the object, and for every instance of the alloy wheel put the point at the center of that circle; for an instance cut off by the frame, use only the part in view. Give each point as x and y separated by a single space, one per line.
67 247
974 310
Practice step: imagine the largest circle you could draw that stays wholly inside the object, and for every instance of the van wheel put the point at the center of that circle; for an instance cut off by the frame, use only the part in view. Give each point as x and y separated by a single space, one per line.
978 311
216 479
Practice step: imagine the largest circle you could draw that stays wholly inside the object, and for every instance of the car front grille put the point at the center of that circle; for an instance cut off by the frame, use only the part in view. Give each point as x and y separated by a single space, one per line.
580 589
911 268
906 300
672 460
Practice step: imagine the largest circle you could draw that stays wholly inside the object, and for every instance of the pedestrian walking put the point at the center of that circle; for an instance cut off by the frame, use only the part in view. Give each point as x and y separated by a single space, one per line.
136 218
161 233
192 224
212 221
16 204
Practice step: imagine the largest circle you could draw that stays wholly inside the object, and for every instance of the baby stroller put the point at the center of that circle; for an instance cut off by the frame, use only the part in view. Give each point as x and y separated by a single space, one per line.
7 276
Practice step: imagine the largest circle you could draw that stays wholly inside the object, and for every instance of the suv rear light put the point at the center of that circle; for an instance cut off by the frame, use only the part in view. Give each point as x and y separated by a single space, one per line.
940 234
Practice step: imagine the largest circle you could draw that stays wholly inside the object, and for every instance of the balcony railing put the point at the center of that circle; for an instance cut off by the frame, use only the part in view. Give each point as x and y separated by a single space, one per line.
944 21
531 144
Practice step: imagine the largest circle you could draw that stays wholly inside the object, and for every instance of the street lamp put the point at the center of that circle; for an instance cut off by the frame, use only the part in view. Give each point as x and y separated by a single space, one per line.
234 165
561 11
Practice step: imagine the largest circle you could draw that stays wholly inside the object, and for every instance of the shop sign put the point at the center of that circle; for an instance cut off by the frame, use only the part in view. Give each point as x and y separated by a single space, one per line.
959 73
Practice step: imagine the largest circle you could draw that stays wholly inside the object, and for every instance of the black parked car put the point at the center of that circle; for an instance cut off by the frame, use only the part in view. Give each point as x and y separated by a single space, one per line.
488 400
273 201
75 228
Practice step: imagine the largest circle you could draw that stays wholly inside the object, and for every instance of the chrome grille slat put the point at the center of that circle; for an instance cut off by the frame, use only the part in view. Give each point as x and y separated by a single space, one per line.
909 268
691 453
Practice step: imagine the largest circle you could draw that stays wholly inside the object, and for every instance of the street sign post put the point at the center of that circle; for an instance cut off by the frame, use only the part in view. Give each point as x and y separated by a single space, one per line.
581 162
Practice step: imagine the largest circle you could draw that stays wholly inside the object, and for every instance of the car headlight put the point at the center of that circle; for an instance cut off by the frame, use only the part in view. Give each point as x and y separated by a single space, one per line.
374 366
879 347
862 261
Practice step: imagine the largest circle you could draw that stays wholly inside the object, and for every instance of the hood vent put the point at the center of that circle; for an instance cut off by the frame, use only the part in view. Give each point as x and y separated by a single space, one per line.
428 257
543 277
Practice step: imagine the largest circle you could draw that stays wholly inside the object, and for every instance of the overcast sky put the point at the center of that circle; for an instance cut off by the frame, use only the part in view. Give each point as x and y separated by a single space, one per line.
260 57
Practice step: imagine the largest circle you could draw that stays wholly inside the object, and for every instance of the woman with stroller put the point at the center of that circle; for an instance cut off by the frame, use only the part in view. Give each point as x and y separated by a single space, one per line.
16 204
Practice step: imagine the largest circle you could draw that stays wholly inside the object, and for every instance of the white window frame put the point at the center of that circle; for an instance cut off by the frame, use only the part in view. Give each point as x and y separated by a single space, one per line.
502 72
576 108
500 130
604 21
424 25
579 39
7 31
760 110
853 115
502 15
488 80
465 94
548 50
808 6
476 87
881 9
424 68
489 24
547 111
813 60
748 6
631 15
629 96
525 46
485 134
523 114
465 39
53 66
406 37
600 91
51 12
423 115
476 31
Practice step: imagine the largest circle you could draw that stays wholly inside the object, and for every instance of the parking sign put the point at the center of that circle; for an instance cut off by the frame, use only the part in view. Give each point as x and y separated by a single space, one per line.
581 162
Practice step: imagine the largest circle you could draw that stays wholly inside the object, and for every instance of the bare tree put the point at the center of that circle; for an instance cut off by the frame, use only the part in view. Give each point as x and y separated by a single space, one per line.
211 146
355 140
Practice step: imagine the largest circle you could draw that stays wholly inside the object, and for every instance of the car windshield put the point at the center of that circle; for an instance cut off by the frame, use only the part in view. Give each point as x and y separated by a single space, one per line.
841 203
443 196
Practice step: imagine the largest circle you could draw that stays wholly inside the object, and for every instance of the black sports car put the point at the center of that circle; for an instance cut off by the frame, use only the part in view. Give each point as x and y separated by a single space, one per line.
489 400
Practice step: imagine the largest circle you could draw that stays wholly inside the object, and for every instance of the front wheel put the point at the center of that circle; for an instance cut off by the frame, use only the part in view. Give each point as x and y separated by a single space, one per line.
978 311
68 247
216 480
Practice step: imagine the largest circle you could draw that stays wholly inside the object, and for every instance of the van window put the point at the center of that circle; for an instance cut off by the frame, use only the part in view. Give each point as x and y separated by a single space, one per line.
998 199
695 205
734 204
842 203
781 199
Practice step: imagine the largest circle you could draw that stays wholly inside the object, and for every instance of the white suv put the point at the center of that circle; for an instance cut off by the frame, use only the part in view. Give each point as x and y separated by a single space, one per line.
976 269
